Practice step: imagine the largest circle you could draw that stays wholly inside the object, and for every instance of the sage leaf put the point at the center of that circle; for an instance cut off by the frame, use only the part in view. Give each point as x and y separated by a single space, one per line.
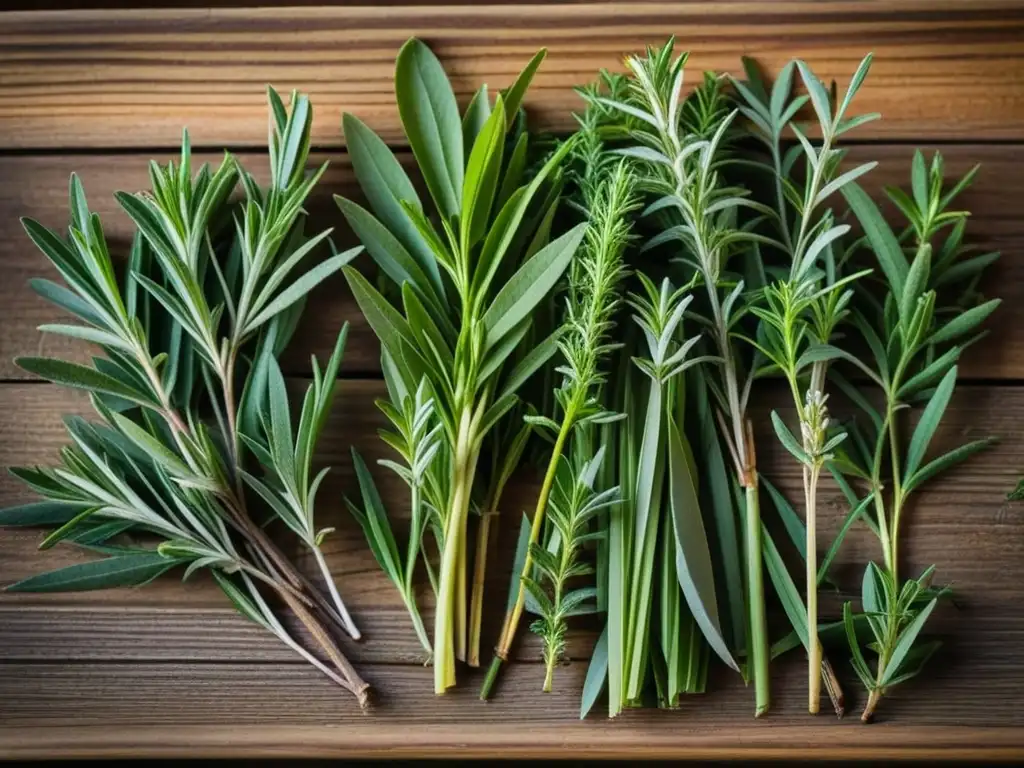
430 117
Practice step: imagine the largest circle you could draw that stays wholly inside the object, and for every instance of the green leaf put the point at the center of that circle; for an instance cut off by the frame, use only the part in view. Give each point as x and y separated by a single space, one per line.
82 377
430 117
515 93
151 445
529 285
529 364
298 289
826 352
818 94
130 570
785 588
906 642
788 441
919 180
860 665
694 568
872 590
481 181
930 418
883 242
39 514
239 599
375 524
917 283
944 462
67 300
597 675
387 323
85 333
929 374
386 185
476 115
514 171
964 322
522 547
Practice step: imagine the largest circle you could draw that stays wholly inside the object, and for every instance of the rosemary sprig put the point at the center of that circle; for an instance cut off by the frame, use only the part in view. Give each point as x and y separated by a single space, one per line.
468 290
915 334
584 345
204 307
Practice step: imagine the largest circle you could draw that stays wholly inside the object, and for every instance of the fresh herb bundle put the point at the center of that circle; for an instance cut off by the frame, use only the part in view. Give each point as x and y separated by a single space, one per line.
211 296
680 153
467 282
915 334
801 311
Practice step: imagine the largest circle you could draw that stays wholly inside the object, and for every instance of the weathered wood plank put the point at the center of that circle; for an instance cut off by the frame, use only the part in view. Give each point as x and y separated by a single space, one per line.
176 696
132 77
37 187
674 738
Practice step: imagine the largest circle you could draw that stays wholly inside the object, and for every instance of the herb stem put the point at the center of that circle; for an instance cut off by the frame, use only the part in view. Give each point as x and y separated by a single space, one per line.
512 617
476 605
755 589
339 604
444 624
811 477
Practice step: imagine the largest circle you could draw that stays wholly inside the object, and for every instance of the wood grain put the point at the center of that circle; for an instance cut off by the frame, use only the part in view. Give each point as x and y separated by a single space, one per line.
627 739
37 187
122 78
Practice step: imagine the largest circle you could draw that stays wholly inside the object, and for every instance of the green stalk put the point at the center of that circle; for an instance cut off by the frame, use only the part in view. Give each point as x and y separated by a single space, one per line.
755 589
444 625
512 617
648 497
813 641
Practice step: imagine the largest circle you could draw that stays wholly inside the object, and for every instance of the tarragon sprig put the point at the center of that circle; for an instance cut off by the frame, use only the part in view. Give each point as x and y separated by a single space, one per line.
915 333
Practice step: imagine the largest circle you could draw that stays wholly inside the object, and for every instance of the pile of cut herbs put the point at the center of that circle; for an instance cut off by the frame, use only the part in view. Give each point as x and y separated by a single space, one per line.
630 315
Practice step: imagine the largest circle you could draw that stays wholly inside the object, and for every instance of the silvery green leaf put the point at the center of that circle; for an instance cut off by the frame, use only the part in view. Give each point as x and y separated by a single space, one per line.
430 117
788 441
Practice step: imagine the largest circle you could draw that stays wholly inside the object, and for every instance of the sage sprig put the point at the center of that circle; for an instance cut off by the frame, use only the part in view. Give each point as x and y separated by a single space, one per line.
916 332
211 295
467 281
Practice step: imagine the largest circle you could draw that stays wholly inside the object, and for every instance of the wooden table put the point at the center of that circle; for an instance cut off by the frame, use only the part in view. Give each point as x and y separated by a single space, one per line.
171 670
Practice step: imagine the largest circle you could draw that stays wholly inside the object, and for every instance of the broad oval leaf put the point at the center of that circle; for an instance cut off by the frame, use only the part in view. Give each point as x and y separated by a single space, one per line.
386 185
430 117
